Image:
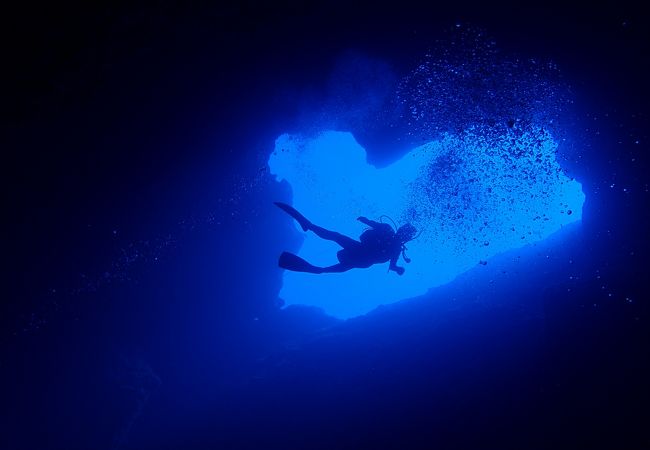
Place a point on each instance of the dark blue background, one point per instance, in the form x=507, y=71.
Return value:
x=121, y=121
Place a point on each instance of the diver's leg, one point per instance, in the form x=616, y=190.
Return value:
x=293, y=212
x=321, y=232
x=342, y=240
x=336, y=268
x=295, y=263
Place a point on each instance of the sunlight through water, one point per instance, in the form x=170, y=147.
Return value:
x=472, y=195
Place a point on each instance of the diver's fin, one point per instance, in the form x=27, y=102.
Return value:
x=295, y=263
x=302, y=220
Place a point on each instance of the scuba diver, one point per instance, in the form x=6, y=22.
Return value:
x=378, y=244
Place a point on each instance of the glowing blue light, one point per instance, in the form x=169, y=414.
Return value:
x=473, y=195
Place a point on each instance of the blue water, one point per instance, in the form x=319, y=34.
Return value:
x=149, y=311
x=471, y=197
x=475, y=167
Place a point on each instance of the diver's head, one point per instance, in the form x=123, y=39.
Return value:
x=406, y=233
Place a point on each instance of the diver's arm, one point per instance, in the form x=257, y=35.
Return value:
x=370, y=223
x=394, y=267
x=406, y=258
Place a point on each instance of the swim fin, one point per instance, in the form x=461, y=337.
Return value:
x=302, y=220
x=289, y=261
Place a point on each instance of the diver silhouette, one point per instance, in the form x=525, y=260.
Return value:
x=379, y=244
